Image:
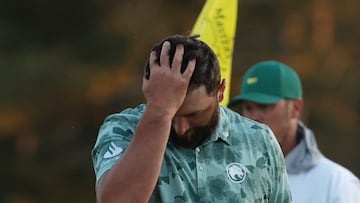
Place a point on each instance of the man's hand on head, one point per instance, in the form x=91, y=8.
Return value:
x=166, y=88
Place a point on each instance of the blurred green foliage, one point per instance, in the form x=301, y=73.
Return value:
x=65, y=65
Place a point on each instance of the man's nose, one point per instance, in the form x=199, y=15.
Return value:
x=180, y=124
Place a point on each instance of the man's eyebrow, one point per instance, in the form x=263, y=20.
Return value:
x=193, y=113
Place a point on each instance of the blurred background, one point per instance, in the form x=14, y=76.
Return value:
x=65, y=65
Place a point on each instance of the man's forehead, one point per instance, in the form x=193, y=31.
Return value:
x=195, y=101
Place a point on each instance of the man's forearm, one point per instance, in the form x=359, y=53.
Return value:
x=133, y=177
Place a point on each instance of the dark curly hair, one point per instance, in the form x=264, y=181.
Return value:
x=207, y=68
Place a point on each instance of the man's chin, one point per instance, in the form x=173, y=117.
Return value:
x=190, y=140
x=197, y=135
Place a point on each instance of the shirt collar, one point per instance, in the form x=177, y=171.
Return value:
x=306, y=153
x=222, y=131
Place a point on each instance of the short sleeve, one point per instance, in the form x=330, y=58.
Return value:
x=113, y=139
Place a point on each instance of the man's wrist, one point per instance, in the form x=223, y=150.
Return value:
x=157, y=111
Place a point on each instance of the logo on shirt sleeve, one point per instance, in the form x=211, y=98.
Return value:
x=236, y=172
x=112, y=151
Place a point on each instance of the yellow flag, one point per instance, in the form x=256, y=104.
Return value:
x=216, y=26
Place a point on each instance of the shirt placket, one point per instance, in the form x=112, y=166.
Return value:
x=200, y=169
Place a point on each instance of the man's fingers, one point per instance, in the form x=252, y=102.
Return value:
x=178, y=58
x=152, y=59
x=164, y=55
x=189, y=69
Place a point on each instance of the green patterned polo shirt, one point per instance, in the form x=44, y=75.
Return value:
x=240, y=162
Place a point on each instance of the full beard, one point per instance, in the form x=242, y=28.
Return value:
x=196, y=135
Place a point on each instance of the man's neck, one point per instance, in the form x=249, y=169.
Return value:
x=291, y=140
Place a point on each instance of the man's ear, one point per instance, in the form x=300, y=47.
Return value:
x=220, y=93
x=298, y=106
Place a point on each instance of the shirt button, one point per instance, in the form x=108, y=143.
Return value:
x=197, y=149
x=201, y=168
